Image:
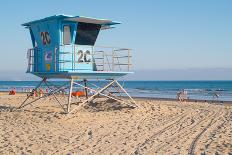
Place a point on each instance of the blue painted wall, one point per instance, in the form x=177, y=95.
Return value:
x=47, y=37
x=50, y=53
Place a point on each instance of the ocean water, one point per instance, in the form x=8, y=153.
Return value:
x=203, y=90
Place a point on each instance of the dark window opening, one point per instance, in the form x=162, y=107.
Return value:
x=87, y=33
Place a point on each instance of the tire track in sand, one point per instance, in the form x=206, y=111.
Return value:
x=186, y=131
x=195, y=140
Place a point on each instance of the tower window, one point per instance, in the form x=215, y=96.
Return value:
x=67, y=35
x=87, y=33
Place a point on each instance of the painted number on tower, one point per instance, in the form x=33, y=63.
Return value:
x=84, y=56
x=46, y=39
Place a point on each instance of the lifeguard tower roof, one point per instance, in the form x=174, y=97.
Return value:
x=64, y=47
x=105, y=23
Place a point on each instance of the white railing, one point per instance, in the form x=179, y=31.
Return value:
x=112, y=59
x=30, y=57
x=102, y=58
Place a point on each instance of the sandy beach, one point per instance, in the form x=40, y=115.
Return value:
x=157, y=127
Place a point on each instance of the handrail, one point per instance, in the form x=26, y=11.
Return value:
x=102, y=57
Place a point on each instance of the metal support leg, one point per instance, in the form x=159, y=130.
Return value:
x=46, y=95
x=92, y=97
x=126, y=93
x=101, y=91
x=54, y=96
x=70, y=95
x=111, y=97
x=31, y=93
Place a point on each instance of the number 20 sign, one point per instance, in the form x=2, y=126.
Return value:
x=84, y=56
x=46, y=39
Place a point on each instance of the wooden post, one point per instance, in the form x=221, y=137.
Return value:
x=86, y=91
x=70, y=95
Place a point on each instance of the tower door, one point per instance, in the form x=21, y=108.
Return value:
x=66, y=51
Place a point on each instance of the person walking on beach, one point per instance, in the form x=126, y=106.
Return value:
x=179, y=96
x=185, y=95
x=182, y=95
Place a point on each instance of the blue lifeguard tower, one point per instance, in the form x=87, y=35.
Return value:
x=64, y=47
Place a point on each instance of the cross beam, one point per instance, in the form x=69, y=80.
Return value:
x=69, y=85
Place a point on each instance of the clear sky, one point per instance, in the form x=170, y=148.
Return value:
x=164, y=34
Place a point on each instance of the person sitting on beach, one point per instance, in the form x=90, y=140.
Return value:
x=32, y=93
x=35, y=94
x=41, y=93
x=12, y=92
